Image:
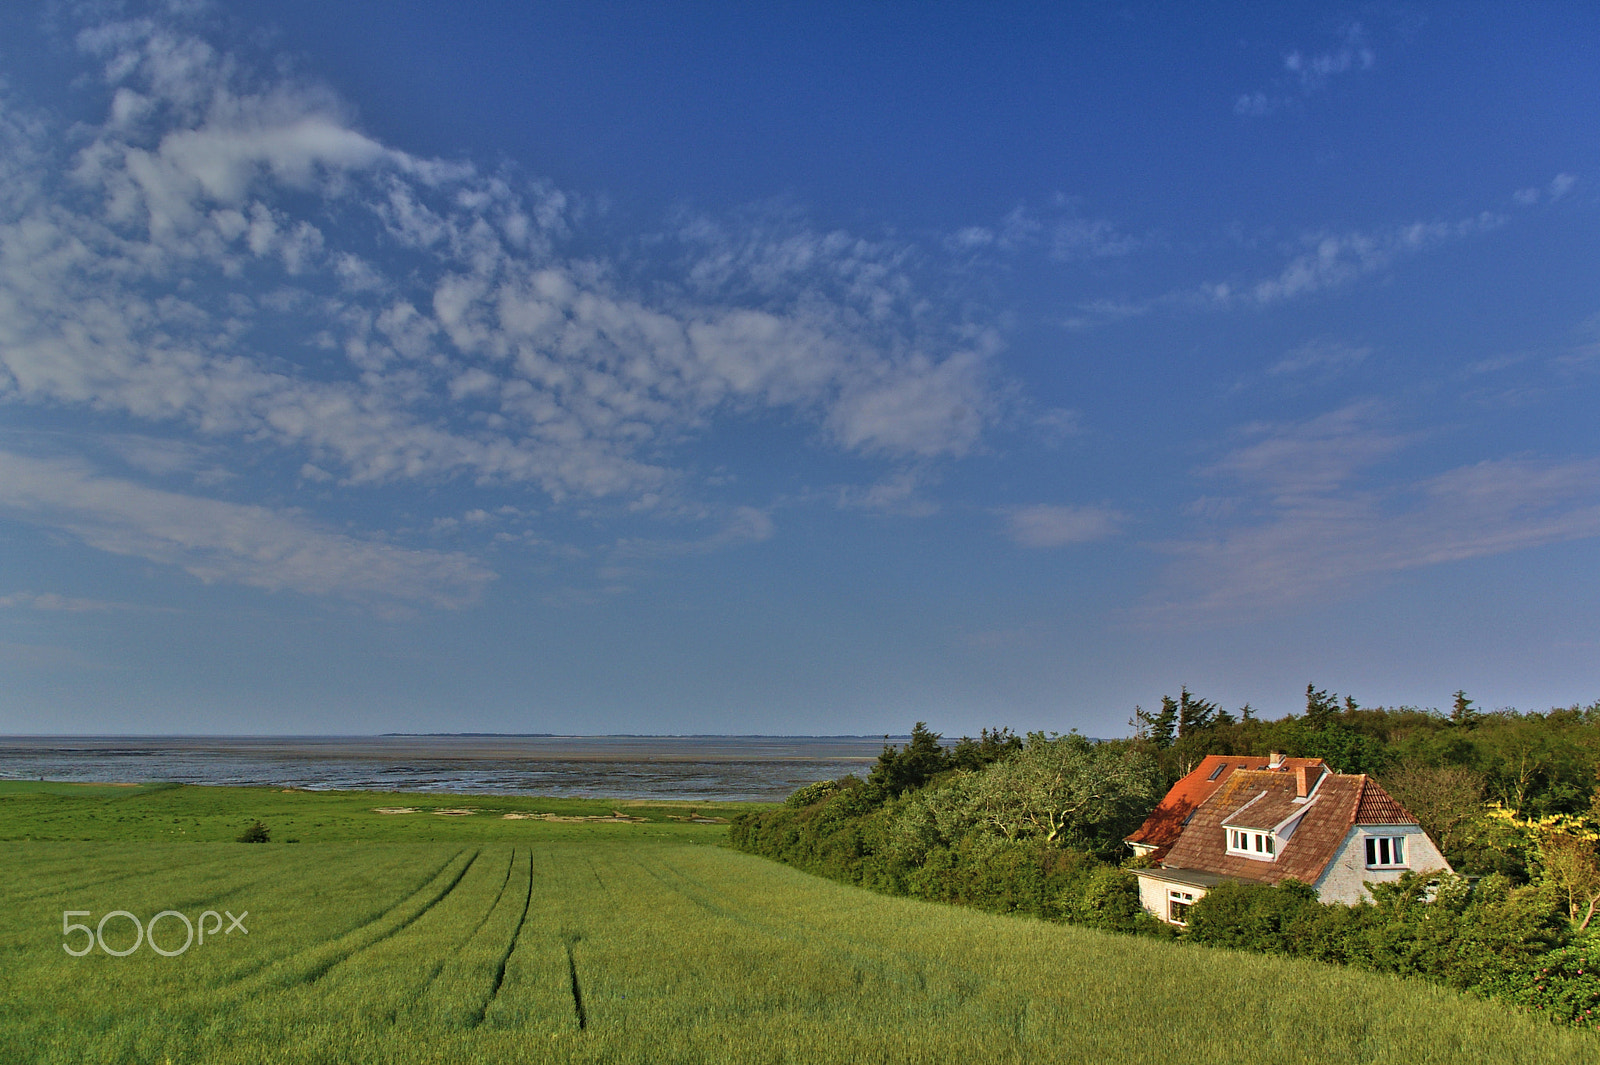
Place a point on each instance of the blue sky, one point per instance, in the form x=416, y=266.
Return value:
x=803, y=369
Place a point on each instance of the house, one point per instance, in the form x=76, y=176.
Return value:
x=1162, y=828
x=1291, y=818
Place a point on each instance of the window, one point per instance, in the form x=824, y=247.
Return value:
x=1217, y=772
x=1178, y=903
x=1386, y=852
x=1252, y=844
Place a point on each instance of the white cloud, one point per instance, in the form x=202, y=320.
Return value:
x=1313, y=71
x=740, y=526
x=899, y=495
x=230, y=542
x=1314, y=456
x=1303, y=74
x=1322, y=356
x=1044, y=525
x=1557, y=189
x=1064, y=235
x=51, y=601
x=1330, y=260
x=465, y=343
x=1316, y=528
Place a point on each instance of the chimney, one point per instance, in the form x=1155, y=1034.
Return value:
x=1303, y=781
x=1275, y=760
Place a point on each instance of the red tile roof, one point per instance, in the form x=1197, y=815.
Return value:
x=1339, y=802
x=1165, y=824
x=1378, y=807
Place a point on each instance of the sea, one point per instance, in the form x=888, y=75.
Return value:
x=692, y=768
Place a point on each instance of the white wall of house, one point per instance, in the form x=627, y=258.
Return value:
x=1154, y=895
x=1345, y=878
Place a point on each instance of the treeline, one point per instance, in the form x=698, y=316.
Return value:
x=1035, y=825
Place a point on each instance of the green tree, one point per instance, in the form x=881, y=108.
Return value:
x=1068, y=791
x=911, y=766
x=1194, y=714
x=1320, y=707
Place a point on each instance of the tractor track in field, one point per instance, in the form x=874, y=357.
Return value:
x=470, y=936
x=572, y=975
x=505, y=959
x=246, y=972
x=322, y=970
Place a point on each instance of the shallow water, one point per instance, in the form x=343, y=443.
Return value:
x=698, y=768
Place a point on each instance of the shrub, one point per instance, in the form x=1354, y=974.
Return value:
x=1566, y=986
x=256, y=833
x=812, y=793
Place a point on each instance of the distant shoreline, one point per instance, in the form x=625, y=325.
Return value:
x=693, y=768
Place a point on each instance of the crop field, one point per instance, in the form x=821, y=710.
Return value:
x=525, y=939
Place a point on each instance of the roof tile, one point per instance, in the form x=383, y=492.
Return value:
x=1166, y=823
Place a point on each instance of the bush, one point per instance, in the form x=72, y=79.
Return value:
x=256, y=833
x=812, y=793
x=1566, y=986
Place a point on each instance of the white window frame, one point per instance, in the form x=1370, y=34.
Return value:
x=1258, y=844
x=1386, y=851
x=1177, y=898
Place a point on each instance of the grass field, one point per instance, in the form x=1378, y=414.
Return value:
x=473, y=938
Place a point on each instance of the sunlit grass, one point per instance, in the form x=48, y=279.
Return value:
x=479, y=950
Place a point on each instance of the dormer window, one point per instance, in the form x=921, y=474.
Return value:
x=1249, y=843
x=1386, y=852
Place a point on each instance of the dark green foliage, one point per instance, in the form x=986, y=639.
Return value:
x=1193, y=713
x=1565, y=985
x=256, y=833
x=911, y=766
x=1320, y=707
x=990, y=746
x=1013, y=837
x=1485, y=938
x=1534, y=763
x=812, y=793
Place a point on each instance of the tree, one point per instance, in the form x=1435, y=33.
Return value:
x=899, y=770
x=1194, y=714
x=1444, y=798
x=1461, y=712
x=1320, y=707
x=1164, y=724
x=1572, y=866
x=1068, y=791
x=990, y=746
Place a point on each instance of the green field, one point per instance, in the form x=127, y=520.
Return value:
x=425, y=937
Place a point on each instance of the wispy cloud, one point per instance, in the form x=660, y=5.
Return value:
x=1045, y=525
x=1322, y=358
x=66, y=604
x=740, y=525
x=1557, y=189
x=1312, y=525
x=231, y=542
x=438, y=329
x=901, y=495
x=1330, y=260
x=1303, y=74
x=1316, y=261
x=1062, y=234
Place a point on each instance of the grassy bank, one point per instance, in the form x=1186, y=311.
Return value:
x=627, y=941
